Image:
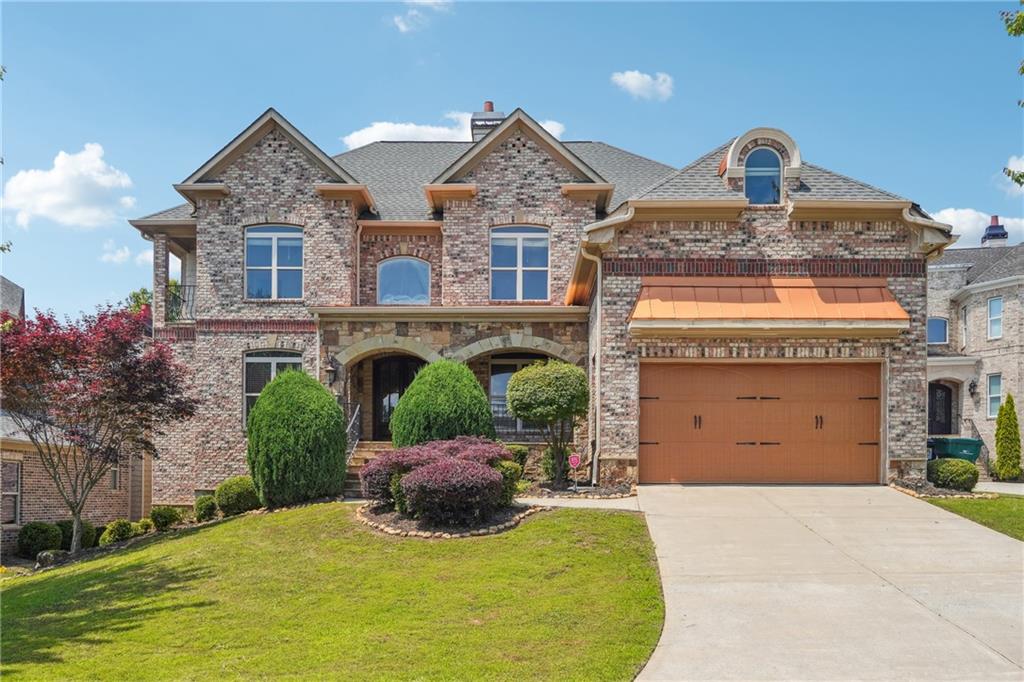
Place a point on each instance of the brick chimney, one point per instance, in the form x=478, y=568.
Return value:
x=485, y=121
x=995, y=234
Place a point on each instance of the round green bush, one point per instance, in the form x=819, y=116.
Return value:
x=143, y=526
x=36, y=537
x=67, y=528
x=164, y=517
x=955, y=474
x=236, y=495
x=510, y=472
x=205, y=508
x=296, y=441
x=444, y=401
x=117, y=531
x=520, y=454
x=99, y=534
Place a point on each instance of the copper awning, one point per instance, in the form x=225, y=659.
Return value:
x=767, y=306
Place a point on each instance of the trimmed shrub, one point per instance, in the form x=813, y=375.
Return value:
x=100, y=530
x=1007, y=465
x=205, y=508
x=397, y=495
x=67, y=529
x=236, y=495
x=520, y=454
x=297, y=441
x=117, y=531
x=164, y=517
x=36, y=537
x=375, y=477
x=453, y=491
x=510, y=472
x=143, y=526
x=955, y=474
x=444, y=401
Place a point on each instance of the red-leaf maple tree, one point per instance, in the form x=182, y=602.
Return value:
x=89, y=395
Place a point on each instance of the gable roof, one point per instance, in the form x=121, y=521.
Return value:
x=986, y=263
x=521, y=120
x=255, y=131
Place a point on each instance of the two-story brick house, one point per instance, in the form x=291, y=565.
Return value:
x=975, y=336
x=750, y=317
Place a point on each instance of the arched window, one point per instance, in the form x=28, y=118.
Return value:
x=273, y=262
x=519, y=263
x=403, y=281
x=762, y=181
x=263, y=365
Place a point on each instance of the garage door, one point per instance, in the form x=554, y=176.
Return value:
x=759, y=423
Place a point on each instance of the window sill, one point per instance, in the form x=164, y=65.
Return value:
x=11, y=526
x=272, y=300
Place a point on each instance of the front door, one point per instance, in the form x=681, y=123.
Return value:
x=940, y=409
x=391, y=376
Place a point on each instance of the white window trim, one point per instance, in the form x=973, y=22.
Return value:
x=274, y=268
x=17, y=497
x=945, y=339
x=781, y=171
x=274, y=361
x=988, y=313
x=989, y=396
x=519, y=268
x=394, y=258
x=963, y=327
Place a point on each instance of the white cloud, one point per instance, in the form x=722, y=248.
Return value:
x=643, y=85
x=416, y=15
x=457, y=131
x=81, y=190
x=115, y=254
x=1014, y=163
x=144, y=257
x=970, y=225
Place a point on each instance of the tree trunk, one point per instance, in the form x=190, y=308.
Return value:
x=76, y=533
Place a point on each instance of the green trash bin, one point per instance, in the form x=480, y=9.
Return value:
x=957, y=448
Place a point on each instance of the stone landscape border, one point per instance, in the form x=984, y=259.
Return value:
x=944, y=495
x=438, y=535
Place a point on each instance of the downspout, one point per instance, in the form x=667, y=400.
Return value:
x=597, y=365
x=359, y=260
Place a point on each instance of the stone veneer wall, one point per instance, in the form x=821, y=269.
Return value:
x=375, y=248
x=762, y=242
x=518, y=183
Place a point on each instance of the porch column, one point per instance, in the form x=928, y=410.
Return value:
x=160, y=265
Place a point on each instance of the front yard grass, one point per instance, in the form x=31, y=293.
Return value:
x=311, y=593
x=1004, y=513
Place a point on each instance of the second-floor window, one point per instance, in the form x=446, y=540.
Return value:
x=963, y=327
x=403, y=281
x=938, y=330
x=519, y=263
x=995, y=318
x=273, y=262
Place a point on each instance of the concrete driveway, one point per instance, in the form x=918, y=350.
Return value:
x=831, y=583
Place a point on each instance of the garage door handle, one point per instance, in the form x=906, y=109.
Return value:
x=868, y=442
x=770, y=442
x=746, y=442
x=746, y=397
x=650, y=442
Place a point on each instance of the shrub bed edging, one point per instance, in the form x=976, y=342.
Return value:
x=438, y=535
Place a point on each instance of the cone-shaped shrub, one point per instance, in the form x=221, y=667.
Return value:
x=1007, y=441
x=444, y=401
x=296, y=441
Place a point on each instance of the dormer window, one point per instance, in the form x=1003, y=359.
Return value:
x=762, y=181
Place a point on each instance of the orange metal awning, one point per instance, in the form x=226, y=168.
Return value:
x=766, y=306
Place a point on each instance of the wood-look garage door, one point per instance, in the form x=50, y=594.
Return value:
x=760, y=423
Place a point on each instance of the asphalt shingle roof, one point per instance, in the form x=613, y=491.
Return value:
x=180, y=212
x=987, y=263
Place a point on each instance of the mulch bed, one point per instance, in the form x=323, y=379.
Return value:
x=919, y=487
x=391, y=522
x=613, y=492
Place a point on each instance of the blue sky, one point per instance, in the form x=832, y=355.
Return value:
x=918, y=99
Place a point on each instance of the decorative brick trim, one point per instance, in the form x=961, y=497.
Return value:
x=266, y=326
x=745, y=267
x=175, y=333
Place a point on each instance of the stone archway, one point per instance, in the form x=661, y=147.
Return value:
x=514, y=342
x=383, y=344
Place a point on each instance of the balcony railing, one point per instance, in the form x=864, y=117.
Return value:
x=181, y=301
x=509, y=428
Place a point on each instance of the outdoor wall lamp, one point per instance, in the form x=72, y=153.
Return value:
x=972, y=388
x=332, y=369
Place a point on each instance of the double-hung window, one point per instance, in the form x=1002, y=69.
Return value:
x=995, y=394
x=519, y=263
x=273, y=262
x=938, y=330
x=995, y=317
x=963, y=327
x=10, y=479
x=262, y=366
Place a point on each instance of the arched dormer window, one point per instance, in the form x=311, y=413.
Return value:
x=519, y=263
x=273, y=262
x=762, y=178
x=403, y=280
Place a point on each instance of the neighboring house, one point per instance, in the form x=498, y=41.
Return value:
x=12, y=298
x=975, y=335
x=749, y=318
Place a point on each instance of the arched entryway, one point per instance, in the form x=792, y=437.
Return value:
x=392, y=375
x=943, y=408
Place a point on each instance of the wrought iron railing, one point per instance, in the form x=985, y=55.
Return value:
x=181, y=302
x=972, y=429
x=354, y=428
x=509, y=428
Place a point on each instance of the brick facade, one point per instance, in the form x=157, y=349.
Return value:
x=377, y=247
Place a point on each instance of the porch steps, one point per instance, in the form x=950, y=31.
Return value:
x=365, y=451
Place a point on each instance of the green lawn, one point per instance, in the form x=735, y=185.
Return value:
x=1004, y=513
x=311, y=593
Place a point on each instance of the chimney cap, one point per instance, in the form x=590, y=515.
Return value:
x=488, y=105
x=994, y=220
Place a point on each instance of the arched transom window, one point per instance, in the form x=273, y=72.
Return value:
x=403, y=281
x=519, y=263
x=763, y=176
x=273, y=262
